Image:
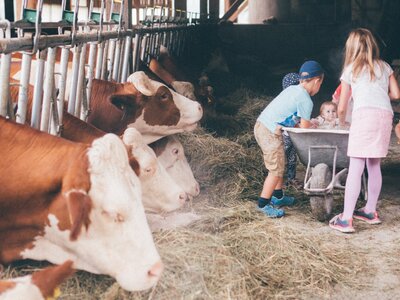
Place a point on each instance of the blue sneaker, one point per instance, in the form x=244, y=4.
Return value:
x=345, y=226
x=284, y=201
x=271, y=211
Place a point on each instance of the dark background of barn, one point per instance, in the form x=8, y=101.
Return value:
x=264, y=53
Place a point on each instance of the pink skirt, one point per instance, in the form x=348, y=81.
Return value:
x=370, y=132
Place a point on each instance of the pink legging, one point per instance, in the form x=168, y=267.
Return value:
x=353, y=184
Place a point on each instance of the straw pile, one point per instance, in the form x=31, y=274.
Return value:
x=234, y=252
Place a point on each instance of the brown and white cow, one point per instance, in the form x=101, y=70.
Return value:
x=160, y=193
x=170, y=153
x=62, y=200
x=147, y=105
x=194, y=88
x=40, y=285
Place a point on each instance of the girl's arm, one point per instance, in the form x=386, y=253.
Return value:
x=394, y=90
x=343, y=103
x=397, y=131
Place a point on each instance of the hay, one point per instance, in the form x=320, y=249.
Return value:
x=246, y=256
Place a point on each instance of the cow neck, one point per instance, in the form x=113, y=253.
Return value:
x=34, y=166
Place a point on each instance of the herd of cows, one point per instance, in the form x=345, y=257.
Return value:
x=80, y=200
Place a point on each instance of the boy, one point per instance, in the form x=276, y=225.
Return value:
x=291, y=107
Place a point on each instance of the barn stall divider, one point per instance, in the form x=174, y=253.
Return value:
x=102, y=47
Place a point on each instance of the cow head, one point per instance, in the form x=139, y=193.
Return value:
x=117, y=242
x=40, y=285
x=142, y=103
x=190, y=112
x=170, y=153
x=160, y=192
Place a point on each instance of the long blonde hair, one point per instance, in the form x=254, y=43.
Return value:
x=362, y=50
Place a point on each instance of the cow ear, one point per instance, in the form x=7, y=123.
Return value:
x=48, y=279
x=142, y=83
x=79, y=205
x=131, y=139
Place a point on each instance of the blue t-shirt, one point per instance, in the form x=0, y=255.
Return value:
x=287, y=108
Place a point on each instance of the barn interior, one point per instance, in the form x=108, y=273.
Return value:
x=242, y=49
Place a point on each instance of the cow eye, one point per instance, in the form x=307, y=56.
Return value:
x=175, y=151
x=121, y=106
x=113, y=216
x=164, y=97
x=148, y=170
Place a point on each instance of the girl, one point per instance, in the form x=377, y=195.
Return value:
x=372, y=85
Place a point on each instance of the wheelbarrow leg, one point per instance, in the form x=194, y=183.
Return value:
x=321, y=205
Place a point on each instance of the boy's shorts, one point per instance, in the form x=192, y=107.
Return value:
x=272, y=147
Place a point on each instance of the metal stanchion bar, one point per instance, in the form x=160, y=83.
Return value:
x=48, y=89
x=81, y=81
x=38, y=90
x=74, y=82
x=125, y=61
x=23, y=88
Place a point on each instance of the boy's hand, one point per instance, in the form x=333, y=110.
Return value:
x=305, y=123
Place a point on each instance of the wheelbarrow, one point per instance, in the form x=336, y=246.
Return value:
x=324, y=152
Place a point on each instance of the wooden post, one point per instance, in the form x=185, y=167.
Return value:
x=214, y=8
x=180, y=4
x=203, y=9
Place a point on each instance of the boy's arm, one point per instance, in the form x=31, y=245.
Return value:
x=343, y=103
x=304, y=123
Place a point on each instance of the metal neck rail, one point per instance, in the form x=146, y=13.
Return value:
x=25, y=43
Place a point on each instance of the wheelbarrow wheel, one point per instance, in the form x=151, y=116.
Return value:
x=321, y=206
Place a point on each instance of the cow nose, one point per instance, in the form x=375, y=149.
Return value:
x=156, y=269
x=183, y=197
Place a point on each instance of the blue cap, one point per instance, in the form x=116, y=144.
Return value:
x=290, y=79
x=312, y=68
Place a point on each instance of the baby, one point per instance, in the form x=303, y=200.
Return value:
x=328, y=118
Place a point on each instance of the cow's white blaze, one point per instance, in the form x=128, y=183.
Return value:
x=154, y=132
x=24, y=289
x=190, y=111
x=184, y=88
x=118, y=241
x=160, y=192
x=174, y=160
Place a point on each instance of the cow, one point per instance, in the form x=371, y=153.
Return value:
x=194, y=88
x=149, y=106
x=160, y=192
x=63, y=200
x=170, y=153
x=40, y=285
x=143, y=103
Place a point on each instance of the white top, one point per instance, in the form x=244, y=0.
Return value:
x=367, y=93
x=320, y=122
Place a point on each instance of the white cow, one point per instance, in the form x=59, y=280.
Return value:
x=170, y=153
x=160, y=192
